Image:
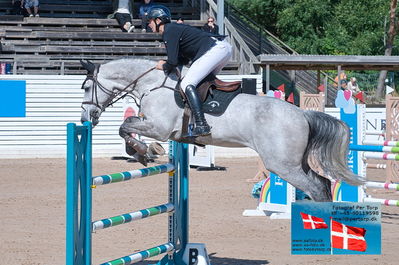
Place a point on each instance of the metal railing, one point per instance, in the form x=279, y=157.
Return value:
x=242, y=53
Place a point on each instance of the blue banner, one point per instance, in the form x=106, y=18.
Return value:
x=13, y=95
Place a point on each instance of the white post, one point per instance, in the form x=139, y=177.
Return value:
x=220, y=16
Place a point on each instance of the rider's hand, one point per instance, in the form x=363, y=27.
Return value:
x=160, y=64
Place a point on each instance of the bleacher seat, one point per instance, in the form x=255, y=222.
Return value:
x=70, y=30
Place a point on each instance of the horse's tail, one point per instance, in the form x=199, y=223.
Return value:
x=328, y=146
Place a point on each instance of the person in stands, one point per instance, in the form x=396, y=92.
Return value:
x=123, y=16
x=143, y=12
x=28, y=4
x=353, y=86
x=209, y=53
x=342, y=78
x=17, y=7
x=210, y=26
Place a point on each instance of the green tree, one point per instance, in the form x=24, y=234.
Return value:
x=324, y=26
x=263, y=12
x=302, y=24
x=392, y=31
x=357, y=27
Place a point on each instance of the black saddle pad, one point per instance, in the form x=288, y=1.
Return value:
x=216, y=102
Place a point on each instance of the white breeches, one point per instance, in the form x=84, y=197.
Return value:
x=211, y=62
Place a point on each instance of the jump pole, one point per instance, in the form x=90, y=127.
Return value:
x=79, y=225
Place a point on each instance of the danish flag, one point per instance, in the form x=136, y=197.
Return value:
x=347, y=237
x=313, y=222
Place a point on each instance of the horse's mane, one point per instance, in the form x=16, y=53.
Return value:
x=131, y=66
x=120, y=68
x=131, y=60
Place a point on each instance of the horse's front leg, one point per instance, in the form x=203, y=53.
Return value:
x=134, y=147
x=132, y=142
x=137, y=125
x=153, y=128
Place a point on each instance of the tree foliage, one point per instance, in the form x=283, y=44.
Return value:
x=324, y=26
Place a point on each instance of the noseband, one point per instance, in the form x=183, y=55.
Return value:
x=114, y=96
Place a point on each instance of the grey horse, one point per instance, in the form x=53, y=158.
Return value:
x=285, y=137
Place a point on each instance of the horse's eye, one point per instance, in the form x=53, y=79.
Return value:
x=87, y=85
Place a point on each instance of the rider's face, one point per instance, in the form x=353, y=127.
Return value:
x=152, y=25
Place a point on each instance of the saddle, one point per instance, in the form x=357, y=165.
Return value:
x=215, y=95
x=212, y=82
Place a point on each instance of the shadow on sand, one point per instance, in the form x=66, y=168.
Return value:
x=234, y=261
x=214, y=260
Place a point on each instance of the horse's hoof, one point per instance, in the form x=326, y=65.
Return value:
x=141, y=158
x=156, y=149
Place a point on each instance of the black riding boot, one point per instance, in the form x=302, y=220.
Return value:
x=201, y=126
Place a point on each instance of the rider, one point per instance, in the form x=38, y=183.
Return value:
x=207, y=52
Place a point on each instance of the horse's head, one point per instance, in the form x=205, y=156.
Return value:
x=92, y=102
x=107, y=83
x=99, y=93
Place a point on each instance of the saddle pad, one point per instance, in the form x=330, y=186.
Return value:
x=215, y=103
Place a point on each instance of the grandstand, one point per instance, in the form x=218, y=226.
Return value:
x=70, y=30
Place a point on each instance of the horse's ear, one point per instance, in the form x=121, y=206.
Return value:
x=89, y=66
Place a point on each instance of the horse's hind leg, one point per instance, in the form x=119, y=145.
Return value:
x=314, y=185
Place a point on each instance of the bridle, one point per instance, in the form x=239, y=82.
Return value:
x=114, y=96
x=120, y=93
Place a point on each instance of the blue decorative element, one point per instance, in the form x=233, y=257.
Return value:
x=256, y=189
x=13, y=93
x=351, y=107
x=270, y=93
x=278, y=190
x=347, y=105
x=340, y=101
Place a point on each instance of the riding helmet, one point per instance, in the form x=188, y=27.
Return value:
x=161, y=12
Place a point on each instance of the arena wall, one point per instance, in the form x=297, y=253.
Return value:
x=54, y=100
